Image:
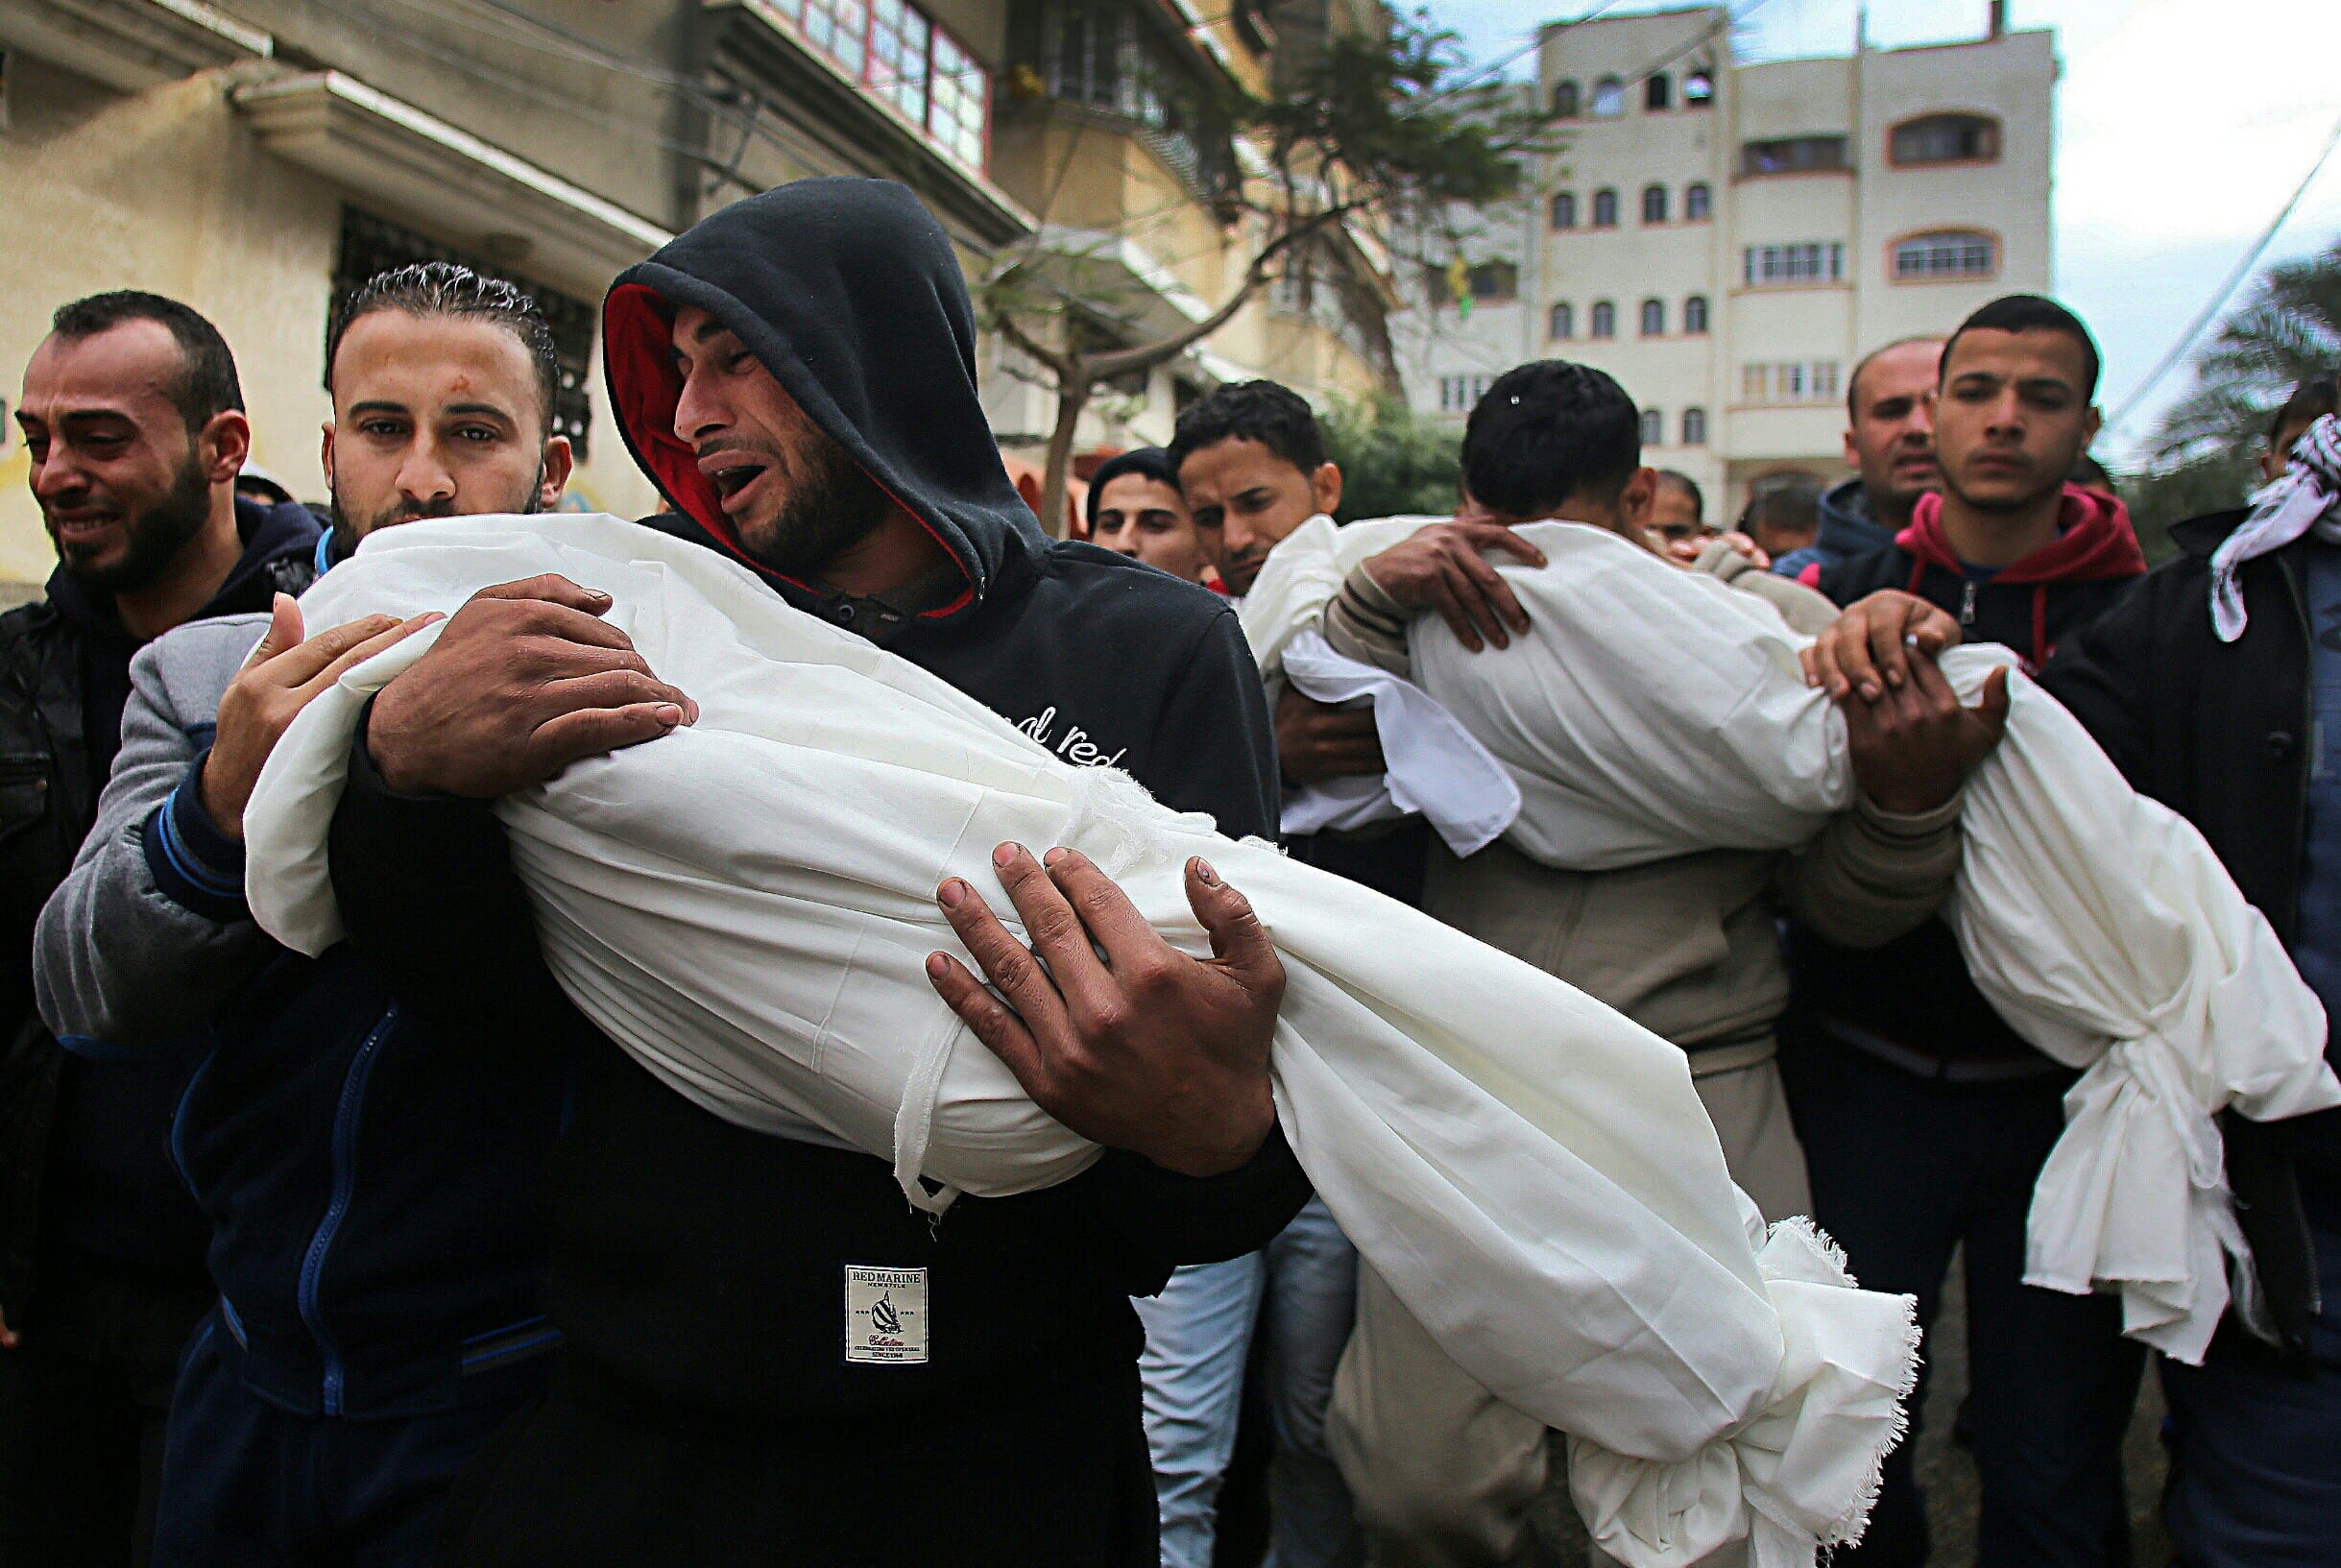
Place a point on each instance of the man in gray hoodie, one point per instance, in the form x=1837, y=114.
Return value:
x=376, y=1238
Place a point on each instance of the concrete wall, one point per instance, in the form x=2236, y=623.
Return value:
x=168, y=190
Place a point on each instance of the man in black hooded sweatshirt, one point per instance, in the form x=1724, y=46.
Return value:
x=797, y=374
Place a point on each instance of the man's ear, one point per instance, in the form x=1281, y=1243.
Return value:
x=324, y=452
x=1638, y=500
x=1325, y=488
x=2090, y=423
x=554, y=474
x=222, y=444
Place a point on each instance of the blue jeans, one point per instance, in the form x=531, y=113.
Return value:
x=1904, y=1170
x=1198, y=1337
x=2255, y=1449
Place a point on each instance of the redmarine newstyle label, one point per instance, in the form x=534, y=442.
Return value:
x=885, y=1315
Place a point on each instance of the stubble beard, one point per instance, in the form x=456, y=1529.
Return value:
x=156, y=536
x=832, y=506
x=349, y=533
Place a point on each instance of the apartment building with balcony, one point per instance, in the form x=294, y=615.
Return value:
x=254, y=158
x=1728, y=239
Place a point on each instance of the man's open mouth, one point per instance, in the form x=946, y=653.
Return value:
x=731, y=481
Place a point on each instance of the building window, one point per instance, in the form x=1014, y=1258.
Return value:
x=960, y=102
x=1654, y=318
x=1106, y=58
x=1564, y=209
x=1458, y=394
x=1658, y=93
x=1495, y=282
x=900, y=41
x=1944, y=139
x=1945, y=252
x=1695, y=314
x=1778, y=264
x=1792, y=381
x=1604, y=319
x=371, y=245
x=1694, y=428
x=898, y=53
x=1697, y=203
x=1654, y=203
x=1564, y=100
x=1562, y=324
x=1697, y=91
x=1605, y=209
x=1794, y=154
x=1654, y=427
x=1608, y=98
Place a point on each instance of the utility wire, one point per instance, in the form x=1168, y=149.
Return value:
x=2218, y=299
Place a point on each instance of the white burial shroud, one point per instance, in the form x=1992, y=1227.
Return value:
x=746, y=906
x=1653, y=711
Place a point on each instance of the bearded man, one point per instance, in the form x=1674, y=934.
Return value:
x=798, y=374
x=134, y=418
x=374, y=1199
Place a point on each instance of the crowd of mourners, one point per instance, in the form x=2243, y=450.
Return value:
x=389, y=1257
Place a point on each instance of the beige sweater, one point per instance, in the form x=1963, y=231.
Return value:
x=1688, y=947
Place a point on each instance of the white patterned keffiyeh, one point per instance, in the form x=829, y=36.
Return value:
x=2304, y=498
x=746, y=906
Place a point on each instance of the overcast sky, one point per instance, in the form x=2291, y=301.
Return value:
x=2182, y=125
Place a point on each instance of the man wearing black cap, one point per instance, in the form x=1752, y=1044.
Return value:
x=797, y=374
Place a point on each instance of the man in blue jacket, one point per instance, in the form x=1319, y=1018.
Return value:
x=372, y=1191
x=133, y=422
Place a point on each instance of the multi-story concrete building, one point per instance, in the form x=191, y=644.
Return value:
x=1728, y=239
x=253, y=157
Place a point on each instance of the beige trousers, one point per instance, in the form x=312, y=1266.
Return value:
x=1442, y=1471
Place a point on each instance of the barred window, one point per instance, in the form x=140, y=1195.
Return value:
x=1694, y=428
x=1948, y=252
x=1604, y=319
x=1697, y=203
x=1776, y=264
x=1695, y=314
x=1654, y=203
x=1605, y=209
x=1654, y=427
x=1654, y=318
x=1561, y=324
x=1564, y=209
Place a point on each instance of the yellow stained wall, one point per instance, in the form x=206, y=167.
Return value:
x=166, y=190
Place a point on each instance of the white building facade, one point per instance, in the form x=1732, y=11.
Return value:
x=1728, y=240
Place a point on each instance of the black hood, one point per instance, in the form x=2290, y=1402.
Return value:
x=850, y=292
